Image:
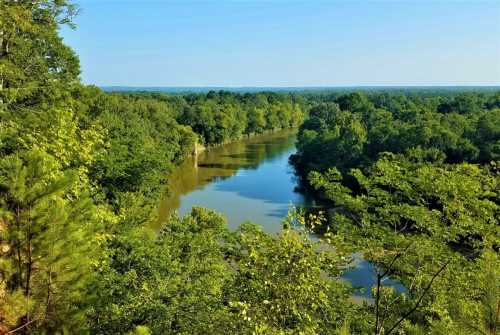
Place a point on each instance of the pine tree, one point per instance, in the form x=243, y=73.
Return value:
x=46, y=245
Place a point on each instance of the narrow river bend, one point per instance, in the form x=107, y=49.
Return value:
x=249, y=180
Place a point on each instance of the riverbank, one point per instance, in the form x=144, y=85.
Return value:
x=199, y=148
x=248, y=174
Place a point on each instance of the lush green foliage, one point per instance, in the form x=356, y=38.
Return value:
x=80, y=175
x=46, y=243
x=352, y=130
x=81, y=172
x=413, y=183
x=195, y=277
x=220, y=117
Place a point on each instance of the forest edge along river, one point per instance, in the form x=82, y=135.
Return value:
x=246, y=180
x=250, y=180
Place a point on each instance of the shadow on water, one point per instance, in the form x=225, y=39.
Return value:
x=279, y=212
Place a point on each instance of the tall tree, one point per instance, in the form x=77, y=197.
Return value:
x=46, y=245
x=34, y=62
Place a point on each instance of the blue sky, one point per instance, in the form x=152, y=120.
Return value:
x=287, y=43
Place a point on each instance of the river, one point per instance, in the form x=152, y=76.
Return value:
x=249, y=180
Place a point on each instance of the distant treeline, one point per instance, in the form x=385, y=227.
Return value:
x=351, y=130
x=222, y=116
x=436, y=90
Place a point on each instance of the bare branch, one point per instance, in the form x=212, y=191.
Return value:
x=21, y=327
x=407, y=314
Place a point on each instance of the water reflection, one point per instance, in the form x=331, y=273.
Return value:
x=245, y=180
x=362, y=275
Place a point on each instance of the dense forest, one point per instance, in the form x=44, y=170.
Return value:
x=411, y=179
x=414, y=182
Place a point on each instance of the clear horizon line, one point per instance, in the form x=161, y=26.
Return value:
x=298, y=86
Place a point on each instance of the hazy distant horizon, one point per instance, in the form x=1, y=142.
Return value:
x=253, y=89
